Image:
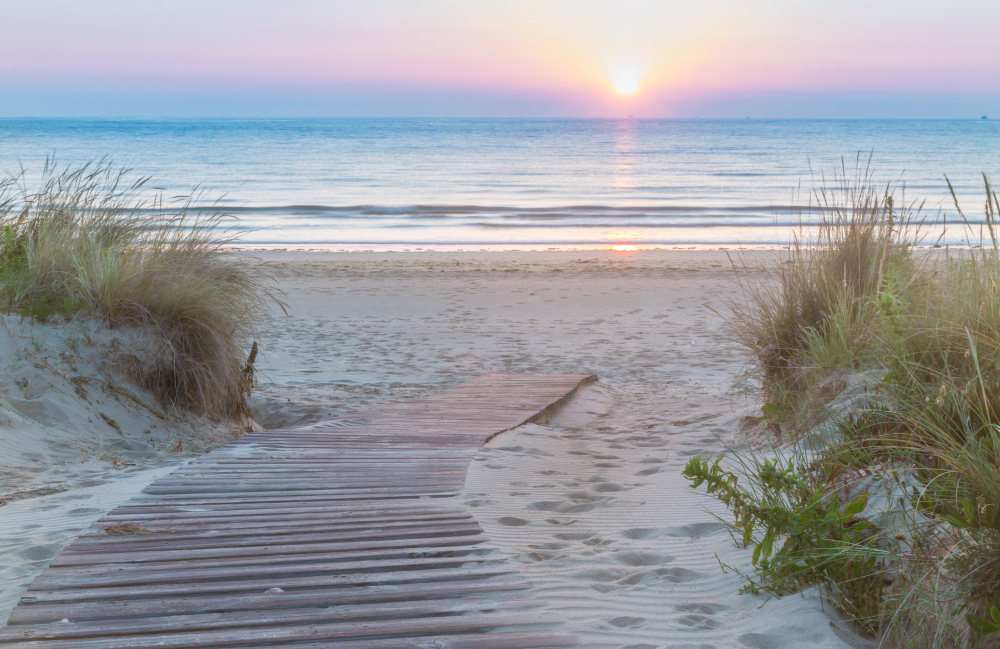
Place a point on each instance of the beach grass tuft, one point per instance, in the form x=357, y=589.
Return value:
x=814, y=306
x=99, y=241
x=856, y=293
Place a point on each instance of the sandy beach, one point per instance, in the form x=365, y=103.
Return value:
x=673, y=318
x=591, y=505
x=372, y=327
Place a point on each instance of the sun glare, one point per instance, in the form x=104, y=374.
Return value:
x=624, y=247
x=626, y=79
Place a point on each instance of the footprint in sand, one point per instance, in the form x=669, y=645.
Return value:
x=626, y=621
x=648, y=471
x=672, y=575
x=573, y=536
x=642, y=533
x=636, y=559
x=527, y=451
x=694, y=530
x=536, y=557
x=699, y=622
x=561, y=506
x=759, y=641
x=704, y=609
x=679, y=575
x=511, y=521
x=602, y=575
x=40, y=552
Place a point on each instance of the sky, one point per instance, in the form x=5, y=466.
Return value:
x=509, y=58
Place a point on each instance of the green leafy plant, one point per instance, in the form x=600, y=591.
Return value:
x=770, y=410
x=38, y=308
x=984, y=626
x=802, y=535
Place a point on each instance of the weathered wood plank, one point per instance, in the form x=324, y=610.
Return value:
x=289, y=633
x=191, y=571
x=273, y=617
x=153, y=541
x=29, y=611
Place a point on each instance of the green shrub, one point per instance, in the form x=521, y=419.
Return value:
x=802, y=535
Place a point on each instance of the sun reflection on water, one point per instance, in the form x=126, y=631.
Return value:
x=625, y=163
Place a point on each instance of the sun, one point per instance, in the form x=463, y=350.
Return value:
x=626, y=79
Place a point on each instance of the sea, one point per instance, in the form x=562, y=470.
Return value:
x=500, y=184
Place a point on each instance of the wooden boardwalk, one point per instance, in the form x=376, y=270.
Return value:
x=345, y=536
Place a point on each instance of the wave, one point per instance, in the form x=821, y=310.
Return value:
x=473, y=225
x=391, y=210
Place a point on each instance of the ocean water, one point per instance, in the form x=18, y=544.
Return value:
x=518, y=183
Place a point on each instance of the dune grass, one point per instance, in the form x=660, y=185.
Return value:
x=855, y=292
x=815, y=305
x=99, y=241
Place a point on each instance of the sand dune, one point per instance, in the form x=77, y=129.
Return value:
x=76, y=440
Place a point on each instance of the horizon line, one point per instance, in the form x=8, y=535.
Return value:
x=482, y=117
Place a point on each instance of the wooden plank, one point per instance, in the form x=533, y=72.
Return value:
x=506, y=640
x=291, y=633
x=256, y=553
x=194, y=571
x=277, y=616
x=334, y=536
x=30, y=611
x=203, y=541
x=152, y=529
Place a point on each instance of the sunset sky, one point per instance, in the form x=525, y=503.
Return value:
x=709, y=58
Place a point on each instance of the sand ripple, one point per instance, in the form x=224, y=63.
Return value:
x=594, y=511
